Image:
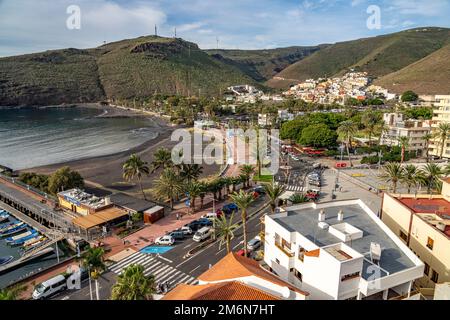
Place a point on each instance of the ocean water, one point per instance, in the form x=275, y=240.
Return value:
x=35, y=137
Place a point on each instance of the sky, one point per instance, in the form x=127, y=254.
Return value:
x=37, y=25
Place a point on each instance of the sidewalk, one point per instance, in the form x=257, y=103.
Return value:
x=146, y=236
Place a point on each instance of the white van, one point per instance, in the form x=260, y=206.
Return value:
x=50, y=287
x=202, y=234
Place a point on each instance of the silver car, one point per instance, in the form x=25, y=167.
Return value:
x=254, y=244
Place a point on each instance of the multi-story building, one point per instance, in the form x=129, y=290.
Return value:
x=415, y=130
x=339, y=250
x=441, y=113
x=237, y=278
x=423, y=224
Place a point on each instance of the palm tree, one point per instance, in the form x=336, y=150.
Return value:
x=431, y=175
x=133, y=284
x=243, y=201
x=404, y=144
x=224, y=229
x=203, y=192
x=247, y=171
x=12, y=293
x=370, y=121
x=235, y=182
x=298, y=198
x=411, y=177
x=443, y=131
x=392, y=173
x=190, y=171
x=347, y=130
x=134, y=167
x=194, y=190
x=168, y=186
x=161, y=159
x=93, y=262
x=427, y=137
x=274, y=192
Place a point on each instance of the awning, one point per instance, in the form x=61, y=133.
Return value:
x=100, y=218
x=154, y=209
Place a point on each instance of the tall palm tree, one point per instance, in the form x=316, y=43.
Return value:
x=443, y=131
x=224, y=229
x=133, y=284
x=370, y=121
x=403, y=142
x=134, y=167
x=347, y=130
x=392, y=173
x=411, y=177
x=93, y=262
x=161, y=159
x=243, y=201
x=12, y=293
x=168, y=186
x=190, y=172
x=431, y=175
x=274, y=192
x=427, y=137
x=194, y=189
x=203, y=192
x=235, y=182
x=247, y=171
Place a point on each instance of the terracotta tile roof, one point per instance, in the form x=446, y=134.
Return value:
x=437, y=205
x=234, y=266
x=232, y=290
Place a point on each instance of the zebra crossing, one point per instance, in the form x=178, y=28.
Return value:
x=294, y=188
x=154, y=266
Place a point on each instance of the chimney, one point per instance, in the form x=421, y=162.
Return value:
x=340, y=215
x=107, y=201
x=322, y=216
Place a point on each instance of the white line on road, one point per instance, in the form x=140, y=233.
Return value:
x=170, y=261
x=240, y=243
x=188, y=246
x=195, y=269
x=218, y=252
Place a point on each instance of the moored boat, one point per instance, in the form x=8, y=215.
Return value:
x=22, y=235
x=4, y=217
x=14, y=231
x=36, y=243
x=11, y=226
x=6, y=260
x=21, y=241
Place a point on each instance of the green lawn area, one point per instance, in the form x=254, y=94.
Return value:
x=263, y=178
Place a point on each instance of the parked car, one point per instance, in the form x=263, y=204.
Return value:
x=177, y=235
x=242, y=253
x=165, y=240
x=259, y=189
x=211, y=215
x=50, y=287
x=253, y=244
x=186, y=230
x=230, y=208
x=202, y=234
x=205, y=222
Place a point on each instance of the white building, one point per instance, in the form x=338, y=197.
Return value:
x=285, y=115
x=415, y=130
x=339, y=250
x=265, y=119
x=441, y=114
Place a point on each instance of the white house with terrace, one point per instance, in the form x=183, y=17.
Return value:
x=339, y=250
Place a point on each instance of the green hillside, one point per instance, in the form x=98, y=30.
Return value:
x=120, y=70
x=431, y=75
x=51, y=77
x=379, y=55
x=262, y=65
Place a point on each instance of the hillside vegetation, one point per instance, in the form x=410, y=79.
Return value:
x=262, y=65
x=431, y=75
x=378, y=56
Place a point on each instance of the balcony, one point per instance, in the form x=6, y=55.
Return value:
x=285, y=250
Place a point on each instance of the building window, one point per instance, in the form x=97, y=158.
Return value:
x=277, y=261
x=298, y=275
x=350, y=276
x=430, y=243
x=435, y=276
x=427, y=269
x=301, y=253
x=403, y=236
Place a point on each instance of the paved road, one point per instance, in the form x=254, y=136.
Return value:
x=173, y=266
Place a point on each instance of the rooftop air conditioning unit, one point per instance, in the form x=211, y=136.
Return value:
x=323, y=225
x=340, y=215
x=375, y=252
x=441, y=226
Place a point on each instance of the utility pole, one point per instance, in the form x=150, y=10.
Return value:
x=217, y=39
x=156, y=30
x=175, y=32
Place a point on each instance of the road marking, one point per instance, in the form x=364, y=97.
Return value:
x=240, y=243
x=165, y=259
x=218, y=252
x=188, y=246
x=194, y=269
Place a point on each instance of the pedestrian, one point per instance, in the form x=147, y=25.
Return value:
x=340, y=189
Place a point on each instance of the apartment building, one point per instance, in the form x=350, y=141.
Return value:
x=423, y=224
x=415, y=130
x=441, y=113
x=339, y=250
x=237, y=278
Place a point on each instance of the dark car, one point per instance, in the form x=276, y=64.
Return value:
x=177, y=235
x=230, y=208
x=205, y=222
x=260, y=190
